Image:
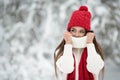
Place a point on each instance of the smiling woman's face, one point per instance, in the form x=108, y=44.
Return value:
x=77, y=31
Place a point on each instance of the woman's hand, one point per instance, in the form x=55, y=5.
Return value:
x=67, y=37
x=90, y=37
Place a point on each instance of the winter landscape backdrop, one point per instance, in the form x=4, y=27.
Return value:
x=30, y=30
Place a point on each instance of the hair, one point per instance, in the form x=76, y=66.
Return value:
x=60, y=50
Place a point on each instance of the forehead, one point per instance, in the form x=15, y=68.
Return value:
x=78, y=28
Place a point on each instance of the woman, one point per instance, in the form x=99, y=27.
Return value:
x=79, y=56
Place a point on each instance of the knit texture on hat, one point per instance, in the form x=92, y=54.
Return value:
x=80, y=18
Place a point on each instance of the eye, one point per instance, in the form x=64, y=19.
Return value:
x=72, y=30
x=82, y=31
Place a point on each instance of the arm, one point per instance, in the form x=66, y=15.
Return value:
x=66, y=62
x=94, y=60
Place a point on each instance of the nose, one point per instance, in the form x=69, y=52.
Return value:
x=76, y=34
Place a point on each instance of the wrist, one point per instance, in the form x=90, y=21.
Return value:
x=89, y=42
x=68, y=42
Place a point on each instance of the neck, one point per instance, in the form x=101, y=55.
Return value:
x=77, y=50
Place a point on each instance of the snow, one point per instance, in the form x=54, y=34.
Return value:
x=31, y=30
x=100, y=10
x=112, y=71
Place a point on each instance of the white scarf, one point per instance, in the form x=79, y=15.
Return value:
x=79, y=42
x=82, y=43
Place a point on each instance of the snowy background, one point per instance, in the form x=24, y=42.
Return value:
x=30, y=30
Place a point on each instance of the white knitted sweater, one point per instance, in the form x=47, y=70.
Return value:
x=65, y=63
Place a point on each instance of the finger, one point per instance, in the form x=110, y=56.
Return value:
x=90, y=31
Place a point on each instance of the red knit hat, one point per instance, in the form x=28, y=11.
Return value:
x=81, y=18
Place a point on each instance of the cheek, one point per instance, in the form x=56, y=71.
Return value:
x=73, y=34
x=83, y=34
